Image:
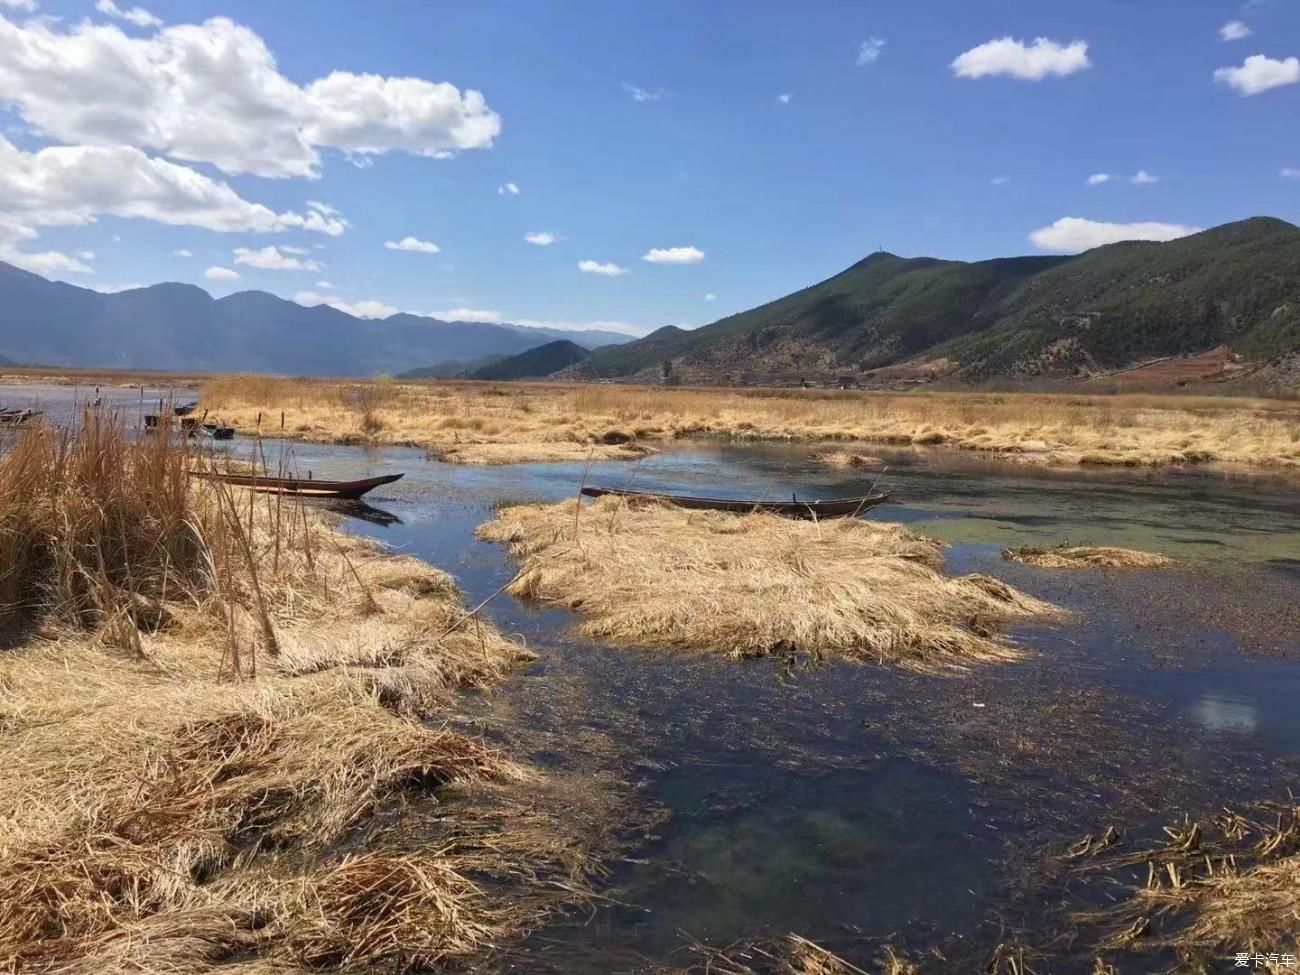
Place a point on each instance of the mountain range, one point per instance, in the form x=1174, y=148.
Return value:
x=1235, y=286
x=181, y=327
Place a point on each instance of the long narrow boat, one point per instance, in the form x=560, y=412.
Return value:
x=794, y=508
x=303, y=486
x=17, y=417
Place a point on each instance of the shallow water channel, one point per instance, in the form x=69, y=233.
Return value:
x=853, y=803
x=849, y=803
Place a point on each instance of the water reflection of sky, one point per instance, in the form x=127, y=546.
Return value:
x=1227, y=714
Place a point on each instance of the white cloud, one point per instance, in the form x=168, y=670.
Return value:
x=270, y=258
x=86, y=255
x=783, y=98
x=112, y=289
x=1290, y=172
x=327, y=285
x=643, y=94
x=1000, y=180
x=1096, y=179
x=507, y=189
x=710, y=296
x=211, y=92
x=370, y=308
x=610, y=270
x=221, y=274
x=1069, y=235
x=673, y=255
x=413, y=244
x=28, y=5
x=295, y=250
x=1143, y=178
x=1014, y=58
x=136, y=15
x=1234, y=30
x=467, y=315
x=74, y=185
x=182, y=253
x=627, y=328
x=1258, y=74
x=542, y=238
x=869, y=51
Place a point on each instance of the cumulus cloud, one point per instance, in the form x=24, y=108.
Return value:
x=784, y=98
x=221, y=274
x=1096, y=179
x=507, y=189
x=1143, y=178
x=182, y=253
x=1069, y=235
x=1013, y=58
x=643, y=94
x=610, y=270
x=74, y=185
x=673, y=255
x=1258, y=74
x=27, y=5
x=467, y=315
x=542, y=238
x=1234, y=30
x=327, y=285
x=270, y=258
x=413, y=244
x=869, y=51
x=211, y=92
x=370, y=308
x=1000, y=180
x=136, y=15
x=710, y=296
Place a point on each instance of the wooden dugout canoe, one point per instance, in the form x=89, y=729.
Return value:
x=306, y=487
x=794, y=508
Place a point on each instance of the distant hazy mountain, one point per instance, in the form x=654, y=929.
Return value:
x=179, y=326
x=1237, y=285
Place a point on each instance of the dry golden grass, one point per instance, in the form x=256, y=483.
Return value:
x=1210, y=894
x=646, y=573
x=847, y=458
x=499, y=423
x=213, y=696
x=791, y=955
x=1086, y=557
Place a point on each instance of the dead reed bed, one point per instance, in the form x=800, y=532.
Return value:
x=504, y=423
x=1214, y=890
x=206, y=698
x=641, y=572
x=1067, y=556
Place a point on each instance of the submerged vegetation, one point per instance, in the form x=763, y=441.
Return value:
x=642, y=572
x=206, y=698
x=486, y=423
x=1067, y=556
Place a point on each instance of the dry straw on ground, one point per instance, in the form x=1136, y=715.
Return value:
x=503, y=423
x=205, y=698
x=791, y=955
x=1212, y=891
x=1086, y=557
x=646, y=573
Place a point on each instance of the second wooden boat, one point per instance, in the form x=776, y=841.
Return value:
x=303, y=486
x=794, y=508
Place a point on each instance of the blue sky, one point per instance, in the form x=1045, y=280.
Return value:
x=625, y=127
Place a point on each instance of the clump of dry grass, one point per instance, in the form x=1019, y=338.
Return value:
x=1068, y=556
x=847, y=458
x=503, y=423
x=1211, y=892
x=200, y=793
x=646, y=573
